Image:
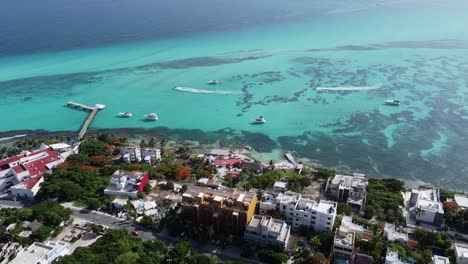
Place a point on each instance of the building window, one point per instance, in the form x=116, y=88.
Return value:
x=284, y=207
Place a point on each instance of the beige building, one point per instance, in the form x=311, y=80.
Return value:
x=229, y=210
x=343, y=244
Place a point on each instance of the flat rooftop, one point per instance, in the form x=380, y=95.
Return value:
x=36, y=252
x=344, y=237
x=440, y=260
x=226, y=193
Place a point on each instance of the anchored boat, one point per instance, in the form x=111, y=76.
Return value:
x=152, y=117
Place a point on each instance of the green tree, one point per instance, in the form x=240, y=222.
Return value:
x=316, y=258
x=344, y=208
x=127, y=258
x=41, y=234
x=272, y=257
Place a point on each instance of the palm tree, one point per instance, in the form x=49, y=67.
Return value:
x=142, y=148
x=152, y=143
x=162, y=145
x=419, y=212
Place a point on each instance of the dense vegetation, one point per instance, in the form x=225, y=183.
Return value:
x=455, y=217
x=49, y=213
x=384, y=200
x=75, y=184
x=118, y=246
x=267, y=179
x=429, y=242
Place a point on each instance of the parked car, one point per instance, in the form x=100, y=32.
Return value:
x=135, y=233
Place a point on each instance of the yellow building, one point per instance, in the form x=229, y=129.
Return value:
x=229, y=210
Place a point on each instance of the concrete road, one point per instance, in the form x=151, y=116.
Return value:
x=111, y=221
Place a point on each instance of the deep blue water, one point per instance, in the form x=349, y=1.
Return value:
x=34, y=26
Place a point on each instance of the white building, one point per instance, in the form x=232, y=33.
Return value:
x=136, y=155
x=127, y=183
x=425, y=206
x=461, y=201
x=267, y=231
x=343, y=243
x=440, y=260
x=268, y=202
x=461, y=253
x=392, y=235
x=24, y=173
x=281, y=186
x=360, y=230
x=349, y=189
x=300, y=211
x=392, y=258
x=41, y=253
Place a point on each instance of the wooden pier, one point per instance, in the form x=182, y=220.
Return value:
x=291, y=159
x=80, y=106
x=88, y=120
x=86, y=124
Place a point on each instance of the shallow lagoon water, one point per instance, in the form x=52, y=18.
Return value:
x=413, y=51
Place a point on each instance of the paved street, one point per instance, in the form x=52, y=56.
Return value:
x=115, y=222
x=231, y=253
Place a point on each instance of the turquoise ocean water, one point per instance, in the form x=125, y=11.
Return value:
x=414, y=51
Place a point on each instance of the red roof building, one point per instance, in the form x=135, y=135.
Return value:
x=226, y=162
x=24, y=172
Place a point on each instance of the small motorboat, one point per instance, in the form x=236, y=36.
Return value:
x=214, y=82
x=392, y=102
x=152, y=117
x=259, y=120
x=100, y=106
x=125, y=114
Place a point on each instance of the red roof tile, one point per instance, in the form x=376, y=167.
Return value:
x=19, y=169
x=30, y=183
x=229, y=162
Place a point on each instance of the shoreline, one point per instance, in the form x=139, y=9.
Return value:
x=134, y=135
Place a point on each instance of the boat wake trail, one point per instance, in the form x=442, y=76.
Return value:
x=349, y=88
x=201, y=91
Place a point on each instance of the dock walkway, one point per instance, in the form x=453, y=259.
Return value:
x=86, y=124
x=80, y=106
x=291, y=159
x=88, y=120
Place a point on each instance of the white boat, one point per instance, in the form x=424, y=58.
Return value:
x=392, y=102
x=152, y=116
x=100, y=106
x=259, y=120
x=214, y=82
x=125, y=114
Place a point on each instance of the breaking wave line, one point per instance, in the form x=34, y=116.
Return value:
x=201, y=91
x=349, y=88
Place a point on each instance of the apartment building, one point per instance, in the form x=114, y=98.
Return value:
x=267, y=231
x=299, y=211
x=425, y=206
x=229, y=210
x=343, y=244
x=349, y=189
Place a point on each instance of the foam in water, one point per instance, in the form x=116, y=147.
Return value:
x=202, y=91
x=349, y=88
